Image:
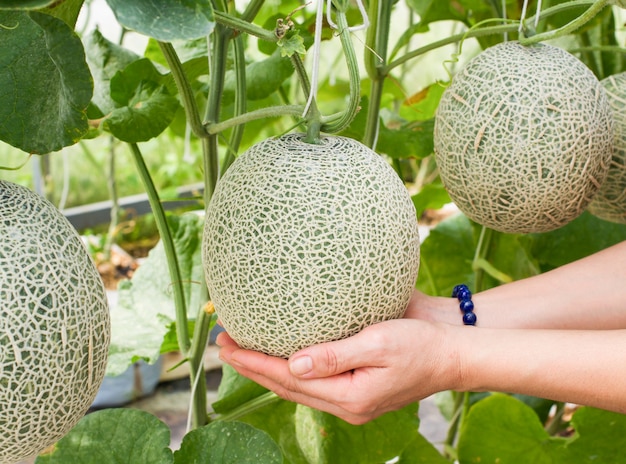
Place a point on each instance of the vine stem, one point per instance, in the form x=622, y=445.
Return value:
x=253, y=405
x=182, y=331
x=570, y=27
x=184, y=88
x=261, y=113
x=355, y=79
x=481, y=32
x=376, y=43
x=240, y=101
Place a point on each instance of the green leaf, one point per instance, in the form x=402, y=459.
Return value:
x=431, y=196
x=422, y=105
x=502, y=429
x=582, y=237
x=66, y=10
x=235, y=390
x=145, y=306
x=263, y=78
x=278, y=420
x=326, y=438
x=228, y=443
x=405, y=140
x=421, y=451
x=411, y=140
x=436, y=10
x=292, y=44
x=45, y=85
x=146, y=107
x=24, y=4
x=599, y=437
x=113, y=436
x=166, y=20
x=446, y=256
x=105, y=59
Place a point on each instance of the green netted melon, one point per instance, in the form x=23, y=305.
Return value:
x=523, y=137
x=307, y=243
x=54, y=325
x=610, y=201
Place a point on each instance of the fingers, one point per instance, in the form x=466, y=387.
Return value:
x=333, y=358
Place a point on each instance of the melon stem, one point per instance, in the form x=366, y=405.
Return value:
x=165, y=234
x=570, y=27
x=355, y=79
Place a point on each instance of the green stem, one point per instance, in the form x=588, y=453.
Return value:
x=114, y=214
x=482, y=250
x=313, y=116
x=481, y=32
x=184, y=88
x=168, y=246
x=261, y=113
x=570, y=27
x=224, y=19
x=240, y=101
x=202, y=329
x=213, y=106
x=377, y=41
x=455, y=421
x=250, y=406
x=447, y=41
x=353, y=73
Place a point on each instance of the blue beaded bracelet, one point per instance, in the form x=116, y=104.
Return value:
x=463, y=294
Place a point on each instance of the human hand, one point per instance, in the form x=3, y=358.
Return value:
x=383, y=368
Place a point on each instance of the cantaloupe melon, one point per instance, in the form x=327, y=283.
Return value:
x=610, y=201
x=308, y=243
x=523, y=137
x=54, y=325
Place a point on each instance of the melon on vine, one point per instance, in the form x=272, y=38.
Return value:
x=308, y=243
x=610, y=201
x=54, y=325
x=523, y=137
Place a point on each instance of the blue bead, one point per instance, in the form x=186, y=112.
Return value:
x=469, y=318
x=464, y=294
x=466, y=306
x=459, y=288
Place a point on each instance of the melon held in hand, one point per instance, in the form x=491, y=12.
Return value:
x=54, y=325
x=305, y=243
x=523, y=137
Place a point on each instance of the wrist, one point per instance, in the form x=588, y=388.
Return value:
x=434, y=309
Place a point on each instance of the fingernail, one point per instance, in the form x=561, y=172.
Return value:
x=301, y=365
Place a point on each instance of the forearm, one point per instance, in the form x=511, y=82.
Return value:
x=583, y=367
x=587, y=294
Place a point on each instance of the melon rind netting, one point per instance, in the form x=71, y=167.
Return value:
x=523, y=137
x=610, y=201
x=307, y=243
x=54, y=325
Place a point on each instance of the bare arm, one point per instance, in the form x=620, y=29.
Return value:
x=587, y=294
x=582, y=367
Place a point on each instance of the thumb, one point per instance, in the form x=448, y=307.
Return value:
x=332, y=358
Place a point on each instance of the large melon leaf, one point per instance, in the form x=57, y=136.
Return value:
x=145, y=307
x=45, y=85
x=113, y=436
x=105, y=59
x=326, y=438
x=144, y=105
x=165, y=20
x=24, y=4
x=512, y=430
x=228, y=442
x=501, y=428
